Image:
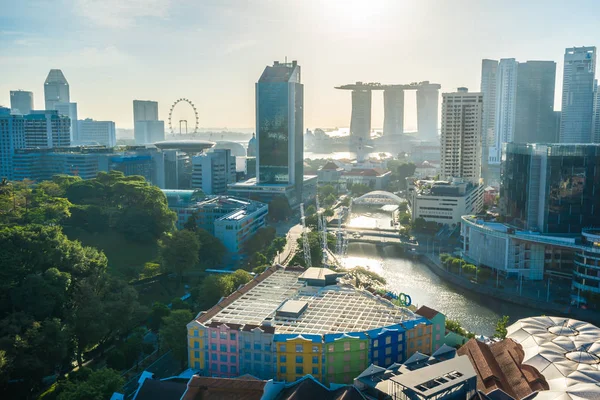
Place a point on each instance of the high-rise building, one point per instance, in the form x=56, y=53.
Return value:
x=578, y=95
x=69, y=110
x=21, y=101
x=551, y=188
x=56, y=89
x=596, y=115
x=393, y=108
x=213, y=171
x=506, y=101
x=534, y=115
x=360, y=124
x=489, y=69
x=12, y=137
x=147, y=128
x=96, y=132
x=46, y=128
x=145, y=110
x=428, y=98
x=280, y=126
x=461, y=135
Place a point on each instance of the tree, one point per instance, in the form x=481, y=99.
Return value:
x=240, y=277
x=310, y=210
x=358, y=189
x=364, y=278
x=501, y=327
x=159, y=311
x=178, y=252
x=99, y=385
x=212, y=250
x=279, y=209
x=173, y=334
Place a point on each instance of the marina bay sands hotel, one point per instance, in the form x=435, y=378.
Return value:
x=393, y=103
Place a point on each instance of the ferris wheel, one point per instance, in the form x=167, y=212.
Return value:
x=182, y=122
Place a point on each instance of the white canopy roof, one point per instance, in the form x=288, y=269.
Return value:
x=566, y=351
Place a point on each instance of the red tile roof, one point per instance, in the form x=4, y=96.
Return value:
x=427, y=312
x=499, y=366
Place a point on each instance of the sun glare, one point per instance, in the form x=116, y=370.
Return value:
x=353, y=13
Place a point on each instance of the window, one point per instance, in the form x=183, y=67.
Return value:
x=376, y=343
x=213, y=367
x=315, y=359
x=246, y=356
x=223, y=368
x=282, y=358
x=233, y=359
x=196, y=344
x=233, y=369
x=388, y=340
x=315, y=349
x=213, y=346
x=388, y=351
x=247, y=345
x=437, y=337
x=362, y=356
x=399, y=337
x=223, y=358
x=213, y=356
x=400, y=348
x=331, y=359
x=196, y=354
x=376, y=354
x=196, y=365
x=420, y=343
x=196, y=333
x=267, y=347
x=223, y=336
x=299, y=359
x=331, y=369
x=283, y=369
x=419, y=332
x=347, y=346
x=223, y=348
x=412, y=345
x=388, y=361
x=257, y=346
x=213, y=334
x=346, y=357
x=437, y=327
x=282, y=348
x=257, y=357
x=233, y=349
x=299, y=348
x=362, y=345
x=330, y=348
x=315, y=370
x=300, y=370
x=232, y=336
x=267, y=358
x=346, y=368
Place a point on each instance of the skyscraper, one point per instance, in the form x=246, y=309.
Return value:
x=506, y=101
x=56, y=89
x=461, y=135
x=534, y=115
x=147, y=128
x=12, y=136
x=21, y=100
x=393, y=107
x=596, y=115
x=428, y=97
x=280, y=126
x=578, y=95
x=489, y=69
x=360, y=124
x=96, y=132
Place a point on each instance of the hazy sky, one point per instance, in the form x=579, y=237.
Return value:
x=213, y=51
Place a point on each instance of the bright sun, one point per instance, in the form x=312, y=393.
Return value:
x=353, y=13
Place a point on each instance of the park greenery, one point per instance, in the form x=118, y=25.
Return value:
x=454, y=326
x=501, y=327
x=458, y=266
x=315, y=248
x=400, y=171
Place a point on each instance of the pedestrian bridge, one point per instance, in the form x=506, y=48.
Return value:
x=378, y=197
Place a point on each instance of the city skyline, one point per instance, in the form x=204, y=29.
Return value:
x=168, y=50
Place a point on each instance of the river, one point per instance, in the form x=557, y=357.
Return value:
x=475, y=313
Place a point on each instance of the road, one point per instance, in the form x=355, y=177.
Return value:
x=292, y=236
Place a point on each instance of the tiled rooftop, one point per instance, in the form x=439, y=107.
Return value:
x=331, y=309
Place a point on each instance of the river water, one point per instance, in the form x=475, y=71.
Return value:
x=475, y=313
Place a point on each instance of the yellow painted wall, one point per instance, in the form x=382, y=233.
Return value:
x=308, y=350
x=191, y=349
x=423, y=333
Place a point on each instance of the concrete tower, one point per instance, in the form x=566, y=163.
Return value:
x=22, y=101
x=360, y=124
x=56, y=89
x=428, y=98
x=393, y=107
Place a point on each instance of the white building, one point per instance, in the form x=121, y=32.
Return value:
x=92, y=132
x=47, y=129
x=56, y=89
x=444, y=202
x=69, y=110
x=236, y=228
x=578, y=95
x=461, y=135
x=146, y=125
x=213, y=171
x=21, y=101
x=12, y=136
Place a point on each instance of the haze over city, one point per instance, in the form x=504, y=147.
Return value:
x=212, y=51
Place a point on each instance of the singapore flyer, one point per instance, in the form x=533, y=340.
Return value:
x=179, y=122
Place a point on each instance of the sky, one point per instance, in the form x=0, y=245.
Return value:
x=213, y=51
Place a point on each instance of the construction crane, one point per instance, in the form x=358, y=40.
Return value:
x=305, y=244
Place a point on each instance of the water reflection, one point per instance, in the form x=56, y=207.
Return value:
x=367, y=218
x=475, y=313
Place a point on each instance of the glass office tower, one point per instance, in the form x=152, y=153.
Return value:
x=280, y=126
x=551, y=188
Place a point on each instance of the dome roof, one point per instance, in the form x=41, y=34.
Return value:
x=237, y=149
